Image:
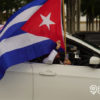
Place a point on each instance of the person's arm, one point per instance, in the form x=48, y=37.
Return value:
x=52, y=55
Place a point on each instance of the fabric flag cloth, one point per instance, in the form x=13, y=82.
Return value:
x=31, y=32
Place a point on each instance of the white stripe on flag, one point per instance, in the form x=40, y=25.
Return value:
x=23, y=16
x=19, y=41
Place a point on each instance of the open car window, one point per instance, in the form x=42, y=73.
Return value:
x=79, y=54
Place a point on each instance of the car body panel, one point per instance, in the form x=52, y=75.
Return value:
x=36, y=81
x=69, y=82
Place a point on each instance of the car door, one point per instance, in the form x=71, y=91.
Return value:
x=65, y=82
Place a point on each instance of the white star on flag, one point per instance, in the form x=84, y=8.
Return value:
x=46, y=20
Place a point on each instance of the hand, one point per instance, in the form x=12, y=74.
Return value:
x=67, y=62
x=58, y=44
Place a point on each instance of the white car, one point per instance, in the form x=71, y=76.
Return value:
x=36, y=81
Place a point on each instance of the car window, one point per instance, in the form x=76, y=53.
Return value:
x=78, y=53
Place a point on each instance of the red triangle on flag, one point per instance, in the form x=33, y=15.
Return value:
x=46, y=22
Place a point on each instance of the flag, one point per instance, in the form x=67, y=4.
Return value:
x=31, y=32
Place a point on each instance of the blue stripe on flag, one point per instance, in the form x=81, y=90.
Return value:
x=25, y=54
x=13, y=31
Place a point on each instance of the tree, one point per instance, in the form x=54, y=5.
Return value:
x=8, y=7
x=91, y=9
x=78, y=5
x=71, y=16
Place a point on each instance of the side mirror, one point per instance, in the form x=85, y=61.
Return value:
x=94, y=60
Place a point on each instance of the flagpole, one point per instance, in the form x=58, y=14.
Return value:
x=64, y=26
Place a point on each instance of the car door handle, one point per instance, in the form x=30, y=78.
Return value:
x=48, y=73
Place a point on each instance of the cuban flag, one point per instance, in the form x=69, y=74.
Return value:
x=31, y=32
